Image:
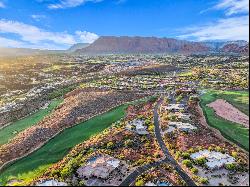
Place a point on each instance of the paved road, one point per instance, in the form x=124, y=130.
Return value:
x=132, y=177
x=169, y=157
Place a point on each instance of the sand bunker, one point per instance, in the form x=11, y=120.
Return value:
x=229, y=112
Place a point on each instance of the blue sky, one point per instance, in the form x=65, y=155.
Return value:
x=58, y=24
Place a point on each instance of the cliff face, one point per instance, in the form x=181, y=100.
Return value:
x=113, y=45
x=234, y=48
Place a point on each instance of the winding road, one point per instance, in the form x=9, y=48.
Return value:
x=132, y=177
x=169, y=159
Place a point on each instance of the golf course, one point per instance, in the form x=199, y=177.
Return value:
x=59, y=146
x=232, y=131
x=10, y=131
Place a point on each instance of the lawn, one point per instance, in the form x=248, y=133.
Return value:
x=232, y=131
x=10, y=131
x=59, y=146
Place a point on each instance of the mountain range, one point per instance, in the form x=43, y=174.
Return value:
x=127, y=45
x=144, y=45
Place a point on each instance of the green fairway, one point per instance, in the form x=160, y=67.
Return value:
x=10, y=131
x=232, y=131
x=59, y=146
x=239, y=99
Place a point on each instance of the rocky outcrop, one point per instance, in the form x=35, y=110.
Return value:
x=237, y=49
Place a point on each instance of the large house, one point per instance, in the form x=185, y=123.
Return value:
x=175, y=107
x=215, y=160
x=184, y=127
x=139, y=126
x=51, y=182
x=100, y=167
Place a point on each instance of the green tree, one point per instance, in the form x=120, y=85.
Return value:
x=230, y=167
x=140, y=182
x=203, y=180
x=187, y=163
x=194, y=170
x=201, y=161
x=185, y=155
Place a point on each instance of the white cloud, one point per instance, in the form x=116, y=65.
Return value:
x=70, y=3
x=87, y=37
x=38, y=17
x=32, y=36
x=10, y=43
x=2, y=4
x=235, y=28
x=233, y=6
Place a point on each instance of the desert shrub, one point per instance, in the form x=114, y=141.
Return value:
x=210, y=148
x=203, y=180
x=177, y=155
x=218, y=149
x=151, y=127
x=194, y=170
x=157, y=155
x=139, y=182
x=81, y=183
x=187, y=163
x=235, y=154
x=230, y=167
x=147, y=122
x=140, y=162
x=185, y=155
x=110, y=145
x=66, y=172
x=191, y=150
x=201, y=161
x=128, y=143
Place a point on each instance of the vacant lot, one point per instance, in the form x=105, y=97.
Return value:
x=59, y=146
x=232, y=131
x=239, y=99
x=13, y=129
x=227, y=111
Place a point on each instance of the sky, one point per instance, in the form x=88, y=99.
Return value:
x=58, y=24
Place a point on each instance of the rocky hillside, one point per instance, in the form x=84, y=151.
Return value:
x=217, y=45
x=234, y=48
x=123, y=45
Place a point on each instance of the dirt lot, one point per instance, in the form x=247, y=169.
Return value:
x=229, y=112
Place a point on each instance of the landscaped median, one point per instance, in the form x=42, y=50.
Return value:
x=232, y=131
